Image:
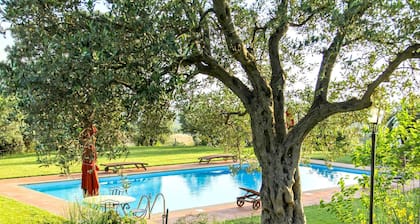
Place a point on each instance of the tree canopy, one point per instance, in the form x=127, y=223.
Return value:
x=71, y=61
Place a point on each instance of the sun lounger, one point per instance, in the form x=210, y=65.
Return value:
x=122, y=165
x=250, y=196
x=207, y=159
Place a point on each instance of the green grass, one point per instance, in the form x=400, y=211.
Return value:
x=16, y=212
x=324, y=156
x=314, y=215
x=24, y=165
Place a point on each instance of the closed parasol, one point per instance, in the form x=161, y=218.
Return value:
x=90, y=181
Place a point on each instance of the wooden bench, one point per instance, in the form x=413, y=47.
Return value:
x=121, y=165
x=208, y=158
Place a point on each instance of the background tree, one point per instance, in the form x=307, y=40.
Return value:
x=256, y=49
x=335, y=136
x=153, y=124
x=214, y=116
x=11, y=126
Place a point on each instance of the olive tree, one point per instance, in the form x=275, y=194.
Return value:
x=363, y=43
x=257, y=49
x=73, y=66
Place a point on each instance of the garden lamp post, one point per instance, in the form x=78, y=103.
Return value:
x=374, y=118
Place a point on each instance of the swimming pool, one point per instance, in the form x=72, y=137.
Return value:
x=191, y=188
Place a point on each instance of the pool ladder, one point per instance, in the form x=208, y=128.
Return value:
x=147, y=210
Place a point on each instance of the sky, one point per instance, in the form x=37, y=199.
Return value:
x=5, y=40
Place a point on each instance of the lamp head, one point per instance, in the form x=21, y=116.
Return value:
x=375, y=115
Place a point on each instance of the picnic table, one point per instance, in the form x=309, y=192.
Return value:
x=208, y=158
x=122, y=165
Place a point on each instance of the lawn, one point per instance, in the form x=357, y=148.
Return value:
x=314, y=215
x=23, y=165
x=17, y=212
x=324, y=156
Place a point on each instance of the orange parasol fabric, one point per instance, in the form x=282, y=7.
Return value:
x=90, y=180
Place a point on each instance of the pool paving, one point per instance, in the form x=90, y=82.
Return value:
x=12, y=188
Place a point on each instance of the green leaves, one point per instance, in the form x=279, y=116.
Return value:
x=74, y=66
x=397, y=162
x=11, y=126
x=216, y=118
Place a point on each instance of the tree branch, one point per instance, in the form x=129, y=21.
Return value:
x=208, y=66
x=203, y=16
x=303, y=22
x=236, y=46
x=254, y=33
x=330, y=55
x=324, y=110
x=313, y=13
x=125, y=84
x=229, y=114
x=410, y=52
x=277, y=82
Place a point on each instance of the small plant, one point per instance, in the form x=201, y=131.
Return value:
x=91, y=214
x=125, y=183
x=342, y=204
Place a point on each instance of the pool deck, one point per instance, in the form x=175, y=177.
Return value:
x=11, y=188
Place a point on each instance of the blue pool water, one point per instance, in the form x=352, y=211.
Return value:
x=197, y=187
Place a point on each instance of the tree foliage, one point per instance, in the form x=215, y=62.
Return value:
x=398, y=162
x=398, y=143
x=73, y=66
x=75, y=60
x=215, y=117
x=335, y=136
x=11, y=126
x=153, y=125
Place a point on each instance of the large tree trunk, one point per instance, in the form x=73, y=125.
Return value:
x=281, y=192
x=279, y=160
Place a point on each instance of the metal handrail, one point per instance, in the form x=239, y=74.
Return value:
x=154, y=202
x=148, y=209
